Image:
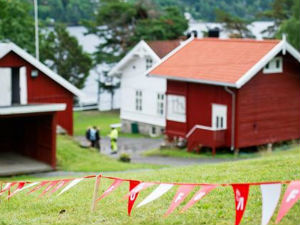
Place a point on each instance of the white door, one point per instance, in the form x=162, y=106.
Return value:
x=219, y=116
x=5, y=86
x=23, y=86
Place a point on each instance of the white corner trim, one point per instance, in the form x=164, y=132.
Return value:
x=33, y=61
x=171, y=53
x=293, y=51
x=28, y=109
x=201, y=127
x=260, y=64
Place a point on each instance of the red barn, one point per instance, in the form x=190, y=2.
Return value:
x=33, y=101
x=232, y=93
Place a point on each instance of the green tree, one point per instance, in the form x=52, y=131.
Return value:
x=63, y=54
x=280, y=10
x=236, y=26
x=122, y=24
x=16, y=24
x=291, y=26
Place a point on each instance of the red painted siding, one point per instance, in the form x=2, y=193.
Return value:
x=199, y=100
x=43, y=89
x=268, y=107
x=35, y=135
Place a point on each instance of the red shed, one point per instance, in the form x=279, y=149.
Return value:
x=33, y=101
x=232, y=92
x=25, y=80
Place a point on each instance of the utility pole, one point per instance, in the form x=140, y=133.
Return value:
x=36, y=23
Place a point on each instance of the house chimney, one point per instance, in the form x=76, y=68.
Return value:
x=214, y=33
x=192, y=33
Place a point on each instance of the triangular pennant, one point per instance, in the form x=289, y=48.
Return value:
x=42, y=184
x=70, y=185
x=241, y=192
x=199, y=195
x=291, y=196
x=49, y=187
x=270, y=197
x=60, y=184
x=20, y=186
x=132, y=197
x=111, y=188
x=7, y=187
x=158, y=192
x=138, y=188
x=181, y=194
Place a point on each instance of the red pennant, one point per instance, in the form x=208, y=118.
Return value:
x=291, y=196
x=181, y=194
x=112, y=187
x=132, y=197
x=241, y=192
x=60, y=185
x=49, y=187
x=20, y=186
x=199, y=195
x=139, y=188
x=8, y=186
x=42, y=184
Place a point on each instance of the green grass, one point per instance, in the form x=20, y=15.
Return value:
x=182, y=153
x=85, y=119
x=216, y=208
x=71, y=157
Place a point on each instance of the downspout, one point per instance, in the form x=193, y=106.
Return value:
x=232, y=116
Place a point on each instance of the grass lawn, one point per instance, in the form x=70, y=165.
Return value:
x=71, y=157
x=182, y=153
x=84, y=119
x=216, y=208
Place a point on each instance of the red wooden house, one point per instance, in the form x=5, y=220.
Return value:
x=33, y=101
x=232, y=93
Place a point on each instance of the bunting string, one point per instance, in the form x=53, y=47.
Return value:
x=270, y=190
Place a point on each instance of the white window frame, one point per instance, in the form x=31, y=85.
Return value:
x=160, y=107
x=176, y=108
x=272, y=67
x=149, y=62
x=139, y=100
x=219, y=112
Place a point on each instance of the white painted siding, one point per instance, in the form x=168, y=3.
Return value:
x=5, y=86
x=133, y=78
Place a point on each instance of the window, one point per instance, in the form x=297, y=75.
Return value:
x=160, y=104
x=274, y=66
x=176, y=108
x=219, y=116
x=138, y=100
x=149, y=63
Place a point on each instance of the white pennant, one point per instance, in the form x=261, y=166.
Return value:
x=270, y=197
x=70, y=185
x=159, y=191
x=27, y=186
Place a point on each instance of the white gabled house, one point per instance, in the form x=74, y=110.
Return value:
x=142, y=97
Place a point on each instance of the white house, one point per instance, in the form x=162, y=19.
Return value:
x=142, y=97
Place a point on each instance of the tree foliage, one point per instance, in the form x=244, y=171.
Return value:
x=122, y=24
x=291, y=26
x=58, y=49
x=16, y=24
x=64, y=55
x=236, y=26
x=70, y=12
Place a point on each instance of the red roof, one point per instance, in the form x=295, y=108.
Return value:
x=162, y=48
x=215, y=60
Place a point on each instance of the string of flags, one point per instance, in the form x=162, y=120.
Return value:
x=270, y=191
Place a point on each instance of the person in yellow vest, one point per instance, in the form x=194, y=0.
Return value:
x=114, y=140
